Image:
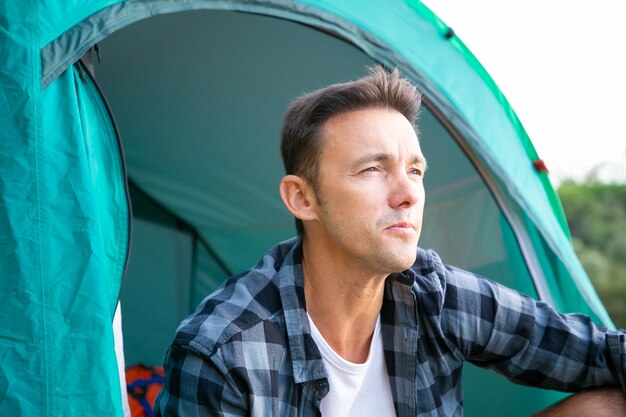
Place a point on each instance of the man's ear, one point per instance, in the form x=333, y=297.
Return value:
x=298, y=197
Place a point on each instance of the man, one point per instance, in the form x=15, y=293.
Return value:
x=351, y=318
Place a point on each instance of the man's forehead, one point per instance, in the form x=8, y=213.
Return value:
x=366, y=114
x=370, y=124
x=370, y=135
x=364, y=122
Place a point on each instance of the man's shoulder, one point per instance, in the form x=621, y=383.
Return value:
x=243, y=306
x=433, y=279
x=428, y=271
x=439, y=282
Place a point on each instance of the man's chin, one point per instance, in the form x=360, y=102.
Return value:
x=397, y=263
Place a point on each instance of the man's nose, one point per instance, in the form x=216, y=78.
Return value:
x=405, y=190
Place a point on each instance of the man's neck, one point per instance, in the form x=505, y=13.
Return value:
x=343, y=301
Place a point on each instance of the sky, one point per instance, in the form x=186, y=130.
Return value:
x=562, y=66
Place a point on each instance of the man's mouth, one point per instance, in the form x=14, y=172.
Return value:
x=403, y=226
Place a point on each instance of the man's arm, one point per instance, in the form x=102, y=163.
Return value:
x=600, y=402
x=195, y=386
x=528, y=341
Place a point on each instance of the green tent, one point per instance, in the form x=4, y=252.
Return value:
x=196, y=90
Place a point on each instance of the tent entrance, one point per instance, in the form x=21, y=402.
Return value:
x=170, y=270
x=199, y=98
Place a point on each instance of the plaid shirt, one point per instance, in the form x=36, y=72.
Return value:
x=247, y=349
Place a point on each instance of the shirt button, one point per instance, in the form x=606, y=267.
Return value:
x=321, y=385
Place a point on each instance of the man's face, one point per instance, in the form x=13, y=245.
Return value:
x=371, y=192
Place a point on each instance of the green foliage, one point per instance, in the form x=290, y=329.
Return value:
x=596, y=215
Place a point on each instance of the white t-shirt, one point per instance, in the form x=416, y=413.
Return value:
x=356, y=389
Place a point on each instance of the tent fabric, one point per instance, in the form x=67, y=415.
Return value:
x=58, y=298
x=64, y=214
x=417, y=44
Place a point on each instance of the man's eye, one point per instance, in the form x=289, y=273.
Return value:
x=416, y=171
x=370, y=169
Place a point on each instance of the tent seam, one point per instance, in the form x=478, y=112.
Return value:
x=39, y=157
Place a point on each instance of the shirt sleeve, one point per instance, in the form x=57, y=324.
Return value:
x=527, y=340
x=196, y=387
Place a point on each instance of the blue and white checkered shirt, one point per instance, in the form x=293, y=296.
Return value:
x=247, y=349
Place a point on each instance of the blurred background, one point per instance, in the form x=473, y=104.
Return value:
x=560, y=64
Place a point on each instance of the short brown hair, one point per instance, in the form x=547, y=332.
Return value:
x=301, y=138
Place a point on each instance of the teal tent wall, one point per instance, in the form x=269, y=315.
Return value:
x=64, y=236
x=198, y=92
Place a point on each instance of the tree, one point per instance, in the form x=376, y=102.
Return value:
x=596, y=215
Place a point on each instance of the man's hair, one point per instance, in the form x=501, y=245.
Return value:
x=301, y=135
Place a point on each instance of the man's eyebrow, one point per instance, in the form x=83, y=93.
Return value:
x=381, y=157
x=420, y=160
x=375, y=157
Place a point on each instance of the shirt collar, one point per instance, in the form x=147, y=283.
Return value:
x=306, y=359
